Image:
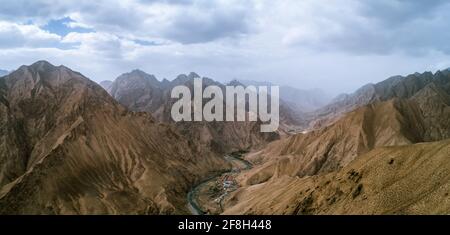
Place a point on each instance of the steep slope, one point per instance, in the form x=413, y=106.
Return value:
x=142, y=92
x=434, y=104
x=395, y=122
x=69, y=148
x=394, y=87
x=289, y=173
x=138, y=91
x=424, y=117
x=413, y=179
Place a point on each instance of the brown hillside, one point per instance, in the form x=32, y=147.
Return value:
x=68, y=148
x=413, y=179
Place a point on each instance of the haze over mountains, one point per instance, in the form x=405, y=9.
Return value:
x=394, y=87
x=140, y=91
x=69, y=146
x=300, y=100
x=349, y=159
x=3, y=72
x=399, y=111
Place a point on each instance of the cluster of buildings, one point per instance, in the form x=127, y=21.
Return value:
x=228, y=183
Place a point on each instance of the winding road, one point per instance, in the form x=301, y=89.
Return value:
x=193, y=205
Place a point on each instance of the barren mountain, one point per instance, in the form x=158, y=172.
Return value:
x=138, y=91
x=67, y=147
x=294, y=168
x=330, y=148
x=424, y=117
x=411, y=179
x=301, y=100
x=142, y=92
x=106, y=85
x=291, y=117
x=394, y=87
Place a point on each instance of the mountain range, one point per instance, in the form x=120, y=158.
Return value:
x=71, y=146
x=143, y=92
x=378, y=150
x=393, y=87
x=300, y=100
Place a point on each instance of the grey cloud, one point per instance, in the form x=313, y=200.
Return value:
x=23, y=10
x=199, y=21
x=140, y=33
x=193, y=21
x=194, y=28
x=180, y=2
x=112, y=18
x=394, y=12
x=389, y=26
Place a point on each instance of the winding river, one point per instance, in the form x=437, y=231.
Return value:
x=193, y=205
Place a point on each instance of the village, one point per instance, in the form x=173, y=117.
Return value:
x=209, y=196
x=227, y=183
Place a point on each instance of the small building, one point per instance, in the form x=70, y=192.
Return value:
x=228, y=181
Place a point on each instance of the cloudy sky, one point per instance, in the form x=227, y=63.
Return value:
x=334, y=45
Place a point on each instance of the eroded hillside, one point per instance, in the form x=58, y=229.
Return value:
x=69, y=148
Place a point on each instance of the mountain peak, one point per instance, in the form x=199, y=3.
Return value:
x=44, y=71
x=42, y=65
x=193, y=75
x=181, y=76
x=138, y=71
x=138, y=75
x=235, y=82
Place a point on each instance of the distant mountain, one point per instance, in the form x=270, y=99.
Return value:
x=143, y=92
x=348, y=158
x=423, y=118
x=300, y=100
x=413, y=115
x=106, y=85
x=67, y=147
x=394, y=87
x=138, y=91
x=291, y=119
x=3, y=72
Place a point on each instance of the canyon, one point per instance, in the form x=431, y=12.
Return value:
x=72, y=146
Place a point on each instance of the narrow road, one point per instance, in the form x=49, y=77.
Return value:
x=192, y=195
